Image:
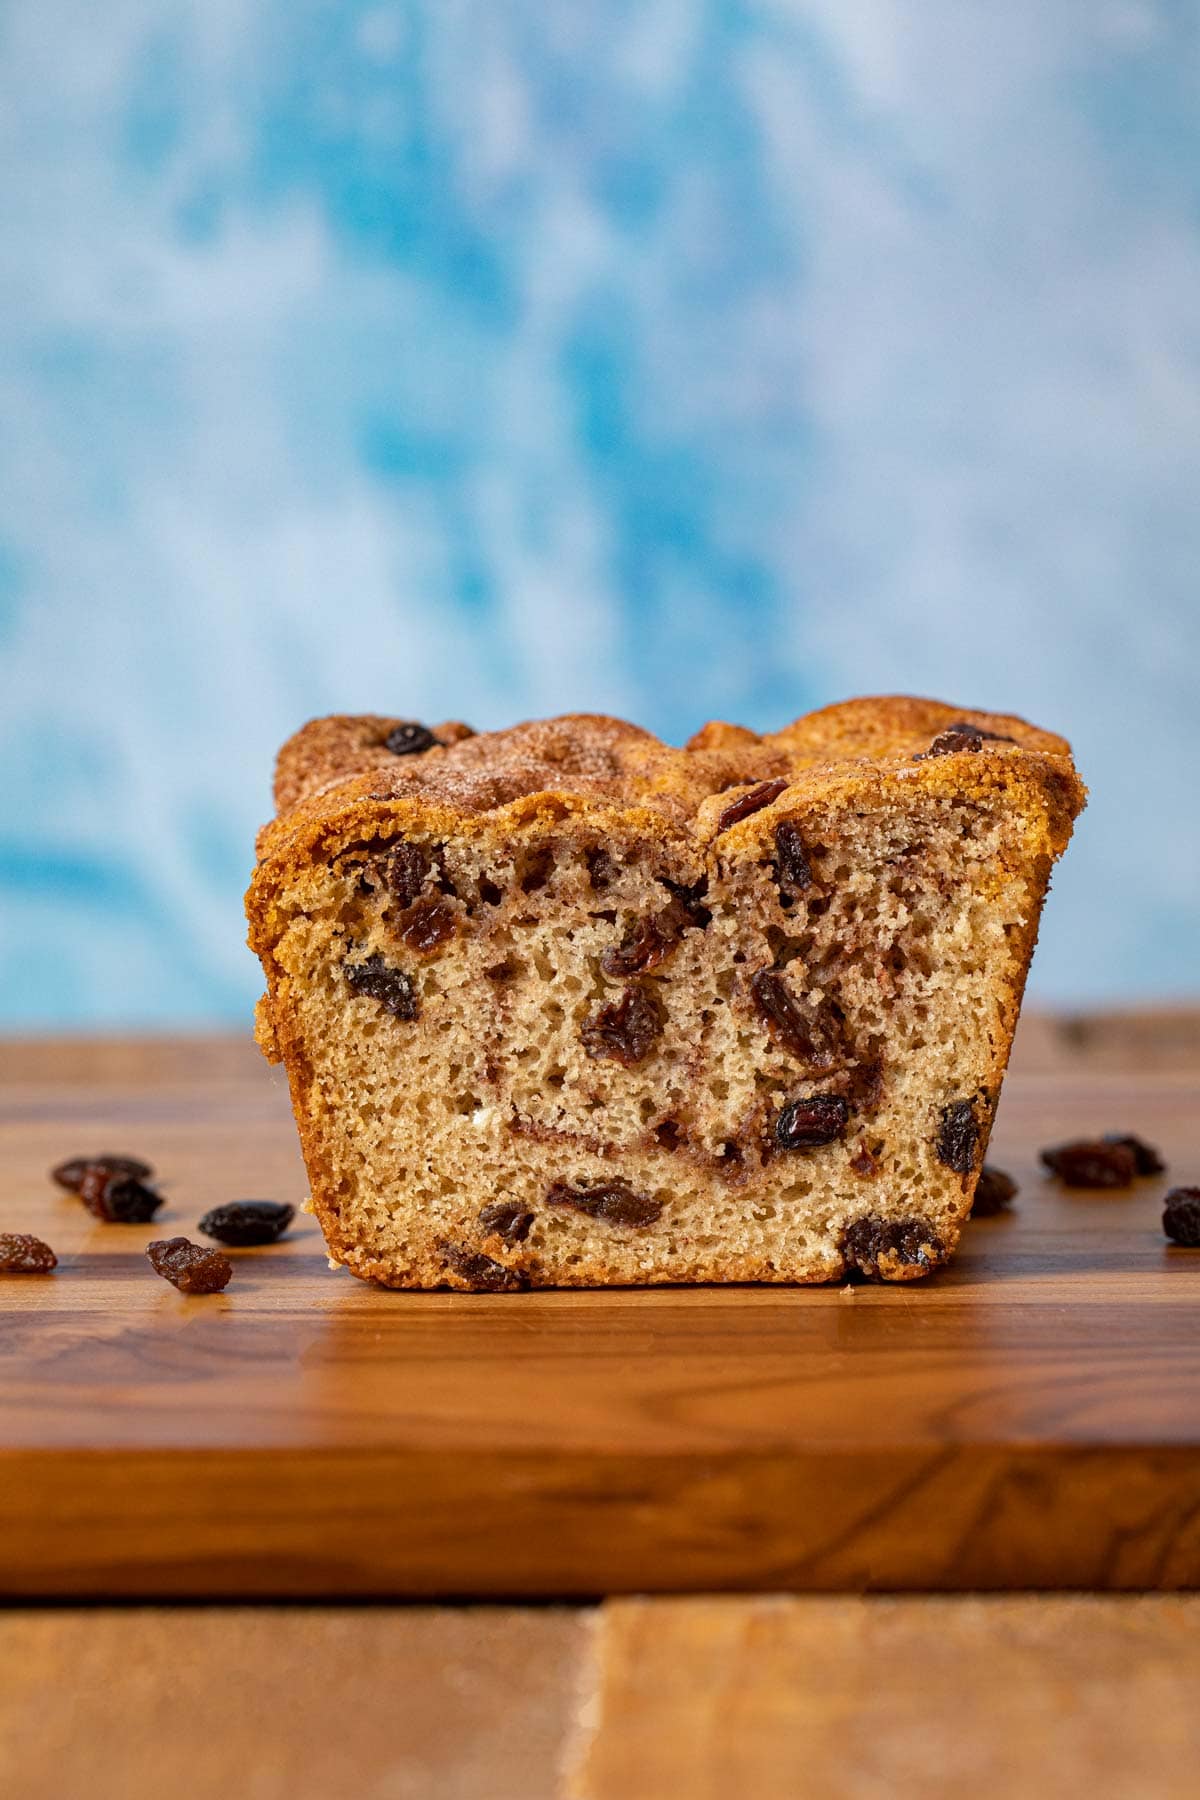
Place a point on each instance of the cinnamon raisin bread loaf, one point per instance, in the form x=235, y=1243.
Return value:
x=564, y=1006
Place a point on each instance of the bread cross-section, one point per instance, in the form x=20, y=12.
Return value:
x=564, y=1006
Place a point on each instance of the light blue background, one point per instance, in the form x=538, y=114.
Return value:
x=672, y=359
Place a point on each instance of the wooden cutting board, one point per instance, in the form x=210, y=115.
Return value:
x=1028, y=1418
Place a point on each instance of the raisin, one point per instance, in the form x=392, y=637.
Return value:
x=958, y=1136
x=1146, y=1159
x=70, y=1174
x=806, y=1124
x=409, y=739
x=601, y=869
x=426, y=924
x=626, y=1030
x=864, y=1086
x=962, y=735
x=795, y=870
x=989, y=737
x=378, y=980
x=994, y=1191
x=958, y=737
x=751, y=802
x=809, y=1033
x=191, y=1268
x=119, y=1199
x=613, y=1202
x=405, y=871
x=506, y=1218
x=22, y=1254
x=481, y=1272
x=876, y=1247
x=1181, y=1217
x=246, y=1222
x=648, y=942
x=690, y=898
x=1087, y=1164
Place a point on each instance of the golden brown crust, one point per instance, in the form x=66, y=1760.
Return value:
x=337, y=771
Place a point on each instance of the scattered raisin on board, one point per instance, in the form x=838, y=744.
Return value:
x=806, y=1124
x=994, y=1193
x=1087, y=1163
x=409, y=739
x=23, y=1254
x=190, y=1267
x=1146, y=1159
x=1181, y=1217
x=118, y=1199
x=70, y=1174
x=613, y=1202
x=246, y=1222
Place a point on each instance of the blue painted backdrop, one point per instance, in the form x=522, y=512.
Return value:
x=674, y=357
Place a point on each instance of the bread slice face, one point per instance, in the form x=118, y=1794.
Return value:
x=562, y=1006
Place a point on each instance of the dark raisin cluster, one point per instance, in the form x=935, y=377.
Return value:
x=626, y=1030
x=481, y=1271
x=507, y=1220
x=611, y=1201
x=379, y=980
x=114, y=1188
x=870, y=1242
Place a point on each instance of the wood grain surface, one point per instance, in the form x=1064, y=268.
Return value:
x=292, y=1703
x=1028, y=1418
x=1082, y=1698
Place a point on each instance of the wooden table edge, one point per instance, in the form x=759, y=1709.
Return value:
x=499, y=1525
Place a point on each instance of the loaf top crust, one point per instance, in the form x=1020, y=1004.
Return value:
x=337, y=773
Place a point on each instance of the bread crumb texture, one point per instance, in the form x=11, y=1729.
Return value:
x=563, y=1006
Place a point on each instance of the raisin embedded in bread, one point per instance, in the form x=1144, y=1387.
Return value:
x=564, y=1006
